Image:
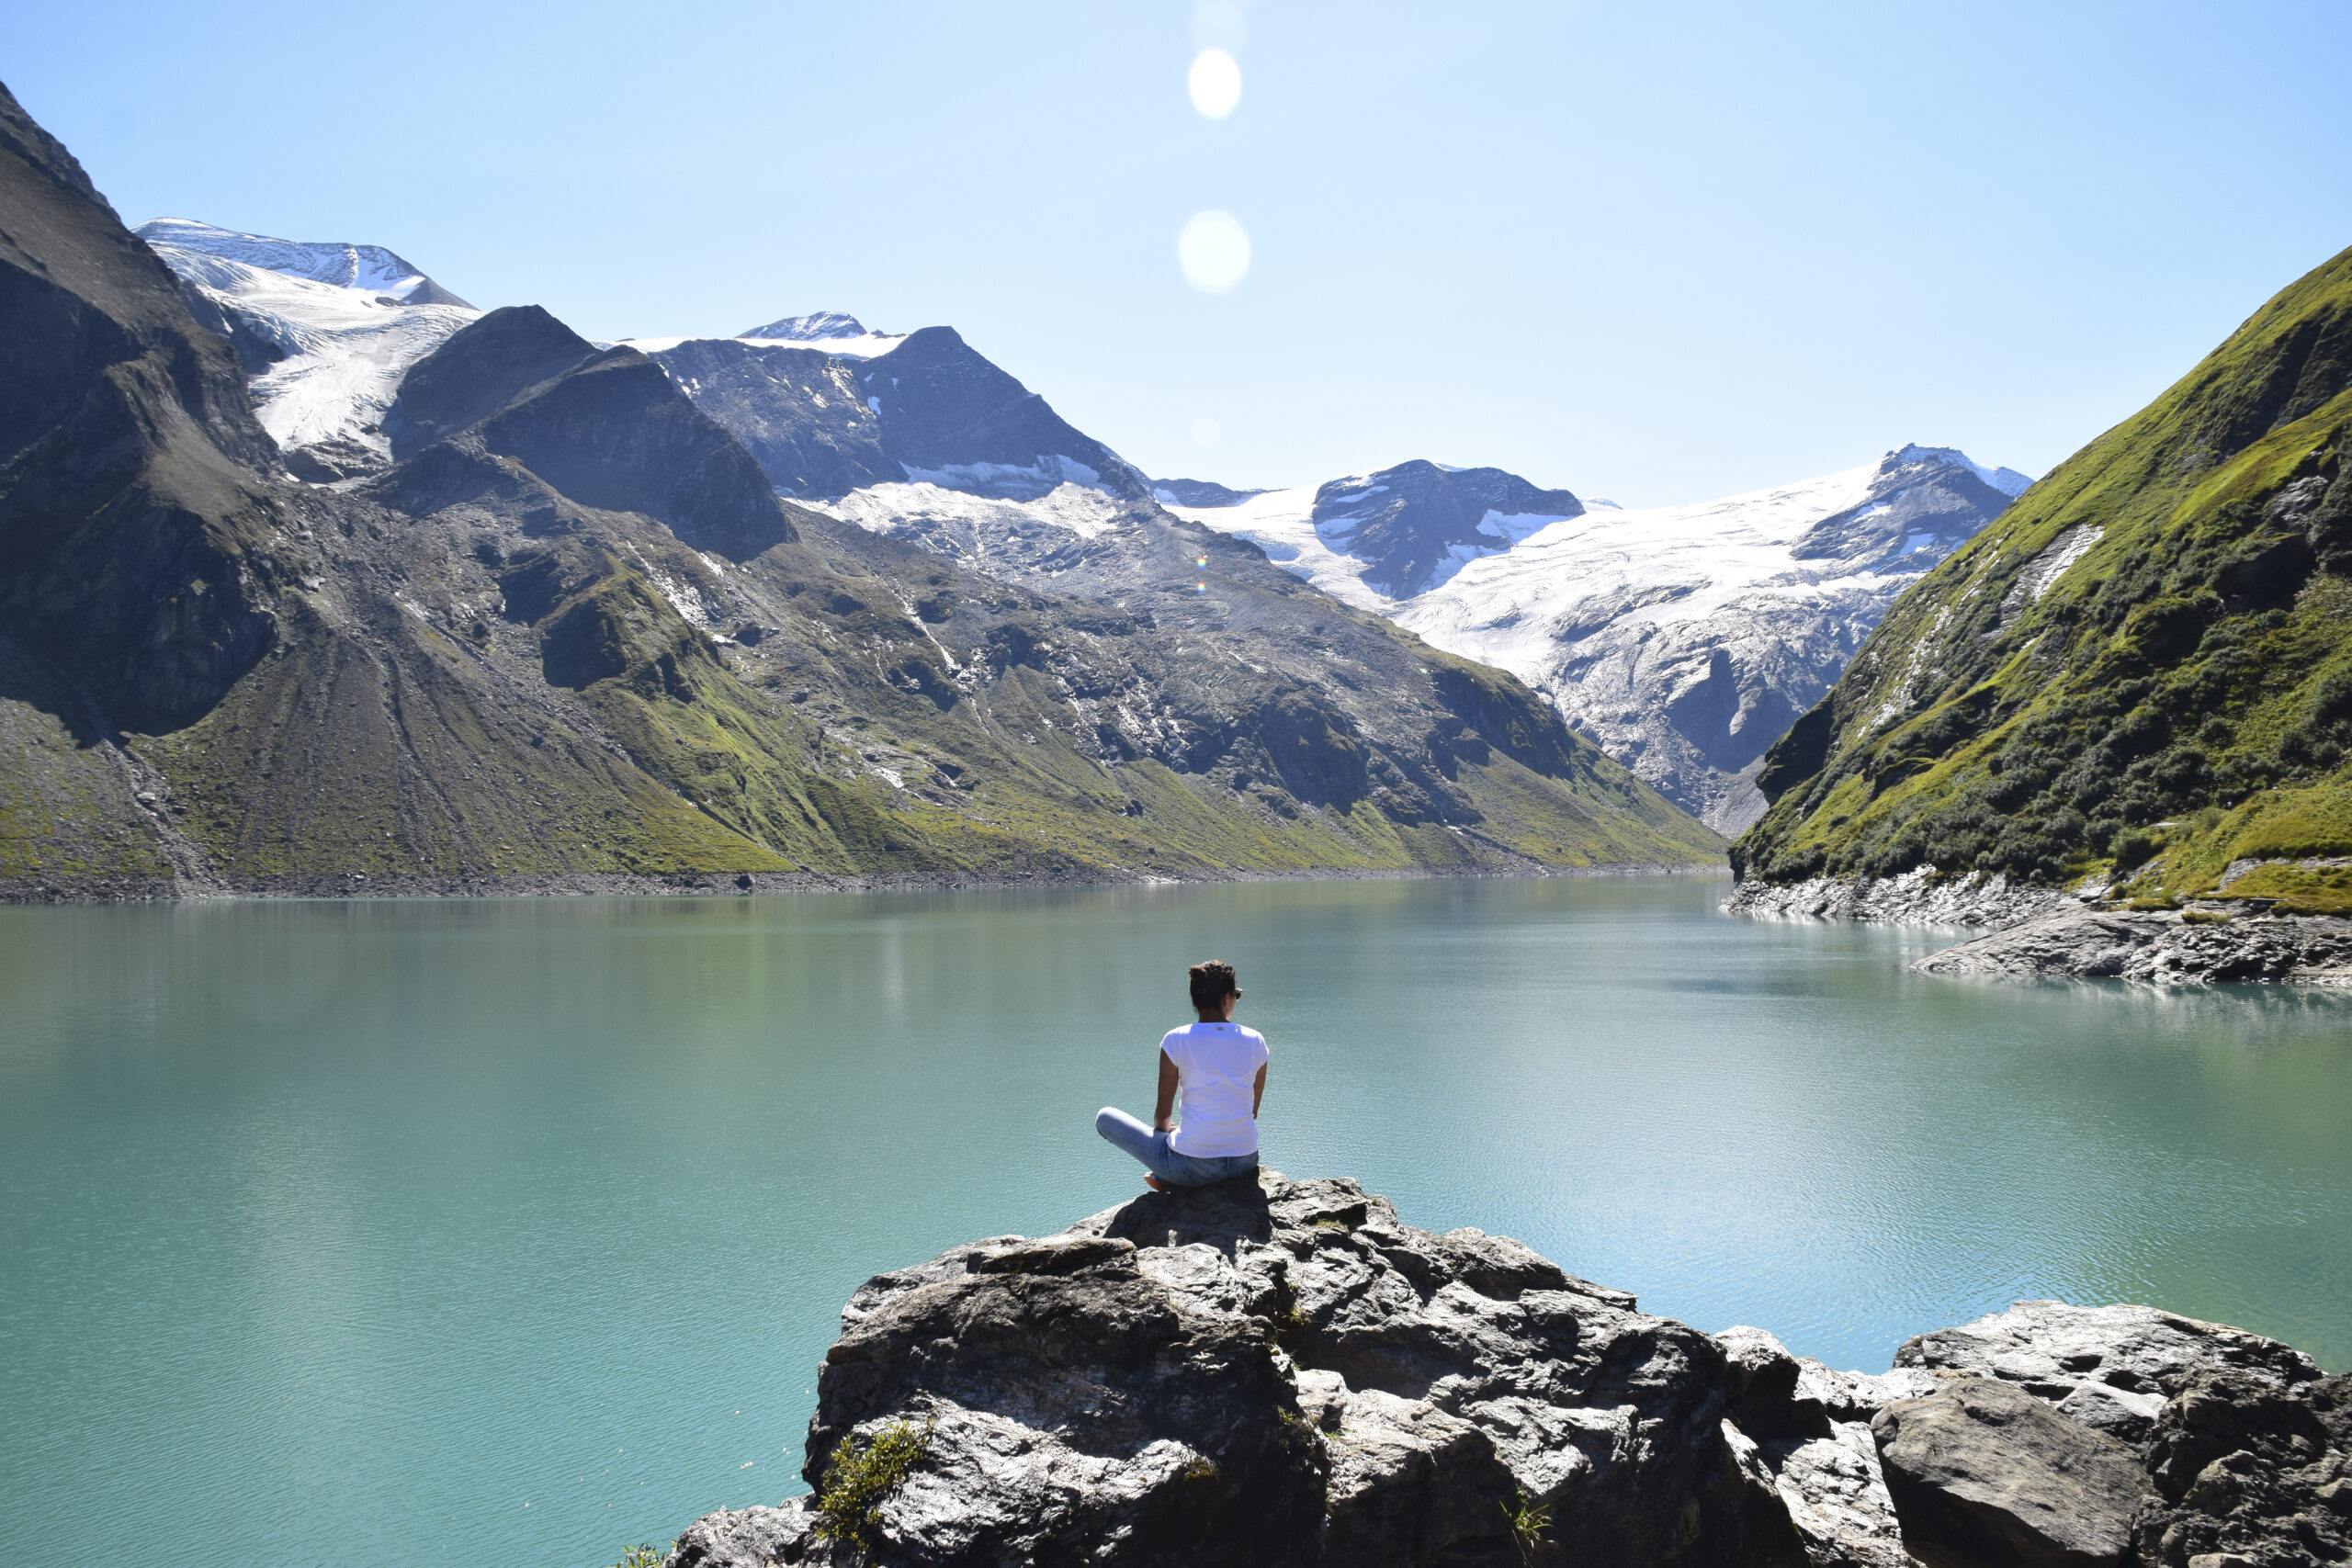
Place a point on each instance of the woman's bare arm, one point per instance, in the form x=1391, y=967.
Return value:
x=1163, y=1113
x=1258, y=1095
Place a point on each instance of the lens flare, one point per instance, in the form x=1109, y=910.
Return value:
x=1214, y=251
x=1201, y=561
x=1206, y=432
x=1214, y=82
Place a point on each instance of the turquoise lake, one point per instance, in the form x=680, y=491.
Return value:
x=401, y=1232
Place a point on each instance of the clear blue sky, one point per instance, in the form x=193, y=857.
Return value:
x=1650, y=251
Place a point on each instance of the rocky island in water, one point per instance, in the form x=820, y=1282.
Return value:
x=1276, y=1372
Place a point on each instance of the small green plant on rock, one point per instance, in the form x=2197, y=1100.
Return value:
x=1528, y=1521
x=641, y=1557
x=861, y=1473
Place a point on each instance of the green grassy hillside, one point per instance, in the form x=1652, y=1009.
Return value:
x=2142, y=671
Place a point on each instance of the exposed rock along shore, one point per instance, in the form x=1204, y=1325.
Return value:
x=689, y=884
x=1918, y=896
x=2162, y=946
x=2061, y=933
x=1278, y=1373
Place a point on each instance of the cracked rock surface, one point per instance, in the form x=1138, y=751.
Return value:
x=2159, y=947
x=1269, y=1373
x=1278, y=1373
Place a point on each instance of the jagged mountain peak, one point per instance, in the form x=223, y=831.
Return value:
x=1418, y=523
x=370, y=269
x=814, y=328
x=2009, y=482
x=1919, y=501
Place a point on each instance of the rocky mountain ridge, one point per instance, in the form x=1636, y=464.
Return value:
x=1276, y=1372
x=553, y=627
x=2135, y=688
x=920, y=438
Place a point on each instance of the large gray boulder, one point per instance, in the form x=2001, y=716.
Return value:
x=2109, y=1368
x=1985, y=1475
x=1273, y=1372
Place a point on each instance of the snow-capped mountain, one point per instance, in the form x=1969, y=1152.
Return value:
x=809, y=329
x=326, y=332
x=828, y=407
x=1376, y=539
x=1687, y=640
x=371, y=268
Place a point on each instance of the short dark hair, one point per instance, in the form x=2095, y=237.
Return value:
x=1212, y=983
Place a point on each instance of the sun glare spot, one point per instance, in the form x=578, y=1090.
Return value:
x=1214, y=251
x=1214, y=82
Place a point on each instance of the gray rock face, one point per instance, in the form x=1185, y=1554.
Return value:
x=813, y=328
x=2162, y=947
x=1917, y=897
x=138, y=533
x=1198, y=492
x=1985, y=1475
x=1813, y=1437
x=1418, y=523
x=2251, y=1473
x=2108, y=1368
x=1280, y=1372
x=932, y=408
x=1276, y=1372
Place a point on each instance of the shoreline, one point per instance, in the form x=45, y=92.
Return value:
x=39, y=890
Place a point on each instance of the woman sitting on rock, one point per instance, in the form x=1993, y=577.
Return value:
x=1221, y=1068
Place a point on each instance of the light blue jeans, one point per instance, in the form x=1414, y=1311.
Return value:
x=1123, y=1132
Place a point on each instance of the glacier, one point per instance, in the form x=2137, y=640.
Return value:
x=1685, y=639
x=327, y=330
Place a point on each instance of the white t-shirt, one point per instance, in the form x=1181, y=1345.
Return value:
x=1217, y=1066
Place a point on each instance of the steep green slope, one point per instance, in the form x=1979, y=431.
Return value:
x=575, y=635
x=2142, y=671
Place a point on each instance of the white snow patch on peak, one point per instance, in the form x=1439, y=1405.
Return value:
x=370, y=269
x=1282, y=523
x=976, y=520
x=809, y=329
x=343, y=348
x=1050, y=470
x=2009, y=482
x=871, y=345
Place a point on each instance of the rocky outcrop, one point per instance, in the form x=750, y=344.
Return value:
x=2251, y=1474
x=2108, y=1368
x=1985, y=1475
x=1275, y=1372
x=2163, y=946
x=1811, y=1426
x=1921, y=897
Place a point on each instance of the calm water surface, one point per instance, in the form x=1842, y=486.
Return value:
x=379, y=1232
